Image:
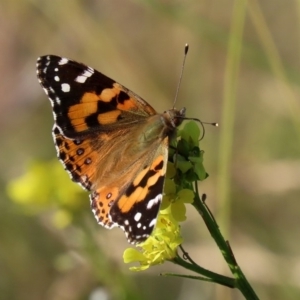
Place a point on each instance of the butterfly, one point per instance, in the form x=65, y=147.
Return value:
x=111, y=142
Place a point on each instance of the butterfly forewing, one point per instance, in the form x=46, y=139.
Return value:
x=111, y=141
x=85, y=100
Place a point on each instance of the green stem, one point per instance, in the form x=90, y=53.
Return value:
x=188, y=277
x=240, y=280
x=210, y=276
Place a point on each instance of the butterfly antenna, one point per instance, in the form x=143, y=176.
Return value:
x=207, y=123
x=186, y=49
x=202, y=125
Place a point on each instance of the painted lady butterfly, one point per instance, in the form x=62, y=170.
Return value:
x=111, y=142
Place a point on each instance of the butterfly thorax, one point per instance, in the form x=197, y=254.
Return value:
x=157, y=128
x=172, y=118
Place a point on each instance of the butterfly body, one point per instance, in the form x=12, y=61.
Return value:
x=111, y=142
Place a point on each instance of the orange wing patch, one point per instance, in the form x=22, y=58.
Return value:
x=101, y=202
x=142, y=184
x=78, y=158
x=109, y=107
x=136, y=210
x=109, y=117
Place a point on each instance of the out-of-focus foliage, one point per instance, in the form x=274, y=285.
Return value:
x=46, y=186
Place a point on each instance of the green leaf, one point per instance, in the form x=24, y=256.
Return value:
x=191, y=176
x=196, y=152
x=191, y=132
x=184, y=166
x=200, y=171
x=169, y=187
x=195, y=159
x=171, y=171
x=183, y=147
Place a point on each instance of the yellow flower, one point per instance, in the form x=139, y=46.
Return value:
x=176, y=201
x=159, y=247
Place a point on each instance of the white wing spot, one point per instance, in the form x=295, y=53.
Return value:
x=65, y=87
x=63, y=61
x=56, y=69
x=137, y=216
x=126, y=222
x=152, y=223
x=156, y=200
x=56, y=78
x=139, y=225
x=83, y=77
x=144, y=227
x=57, y=100
x=91, y=70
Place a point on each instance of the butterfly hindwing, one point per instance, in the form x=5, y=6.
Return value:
x=77, y=157
x=134, y=208
x=136, y=211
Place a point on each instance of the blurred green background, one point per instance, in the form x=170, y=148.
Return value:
x=243, y=71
